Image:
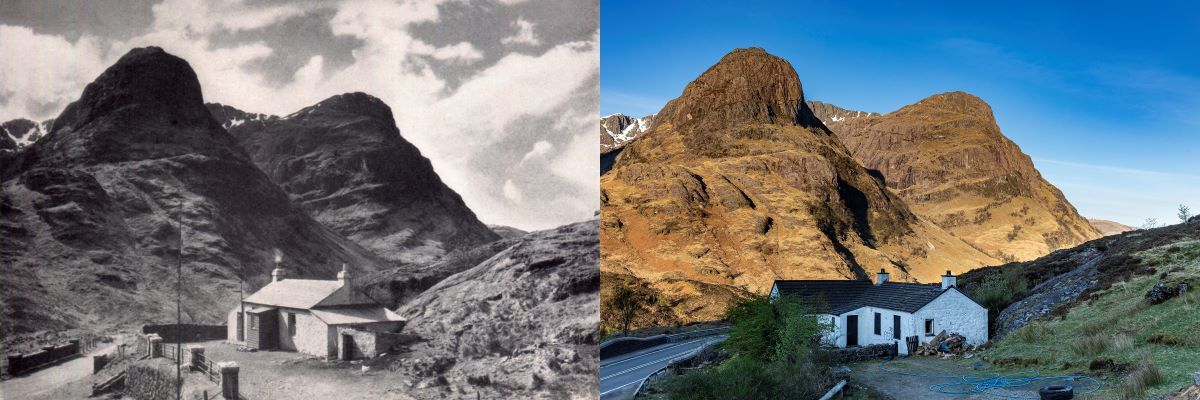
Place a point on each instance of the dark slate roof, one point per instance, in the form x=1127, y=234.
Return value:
x=836, y=297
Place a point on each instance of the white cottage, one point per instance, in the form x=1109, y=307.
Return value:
x=865, y=313
x=316, y=317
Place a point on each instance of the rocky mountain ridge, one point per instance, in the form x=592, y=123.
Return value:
x=346, y=163
x=739, y=183
x=91, y=212
x=946, y=157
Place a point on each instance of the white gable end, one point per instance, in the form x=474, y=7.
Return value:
x=953, y=312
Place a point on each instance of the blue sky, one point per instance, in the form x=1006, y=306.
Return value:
x=1105, y=98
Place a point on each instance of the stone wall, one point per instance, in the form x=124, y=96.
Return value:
x=371, y=343
x=172, y=333
x=19, y=363
x=865, y=353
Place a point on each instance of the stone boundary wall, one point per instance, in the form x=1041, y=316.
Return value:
x=865, y=353
x=19, y=363
x=188, y=332
x=370, y=344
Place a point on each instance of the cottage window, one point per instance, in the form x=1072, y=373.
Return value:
x=929, y=327
x=878, y=324
x=253, y=322
x=291, y=321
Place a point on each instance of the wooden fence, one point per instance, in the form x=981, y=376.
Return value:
x=207, y=367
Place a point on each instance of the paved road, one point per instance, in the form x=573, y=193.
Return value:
x=44, y=381
x=620, y=375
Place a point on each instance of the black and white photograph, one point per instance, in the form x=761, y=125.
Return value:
x=262, y=199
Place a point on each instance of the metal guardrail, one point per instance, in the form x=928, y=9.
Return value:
x=836, y=389
x=695, y=334
x=662, y=372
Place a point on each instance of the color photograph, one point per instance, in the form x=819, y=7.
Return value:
x=883, y=200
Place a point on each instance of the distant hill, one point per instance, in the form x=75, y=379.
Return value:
x=1108, y=228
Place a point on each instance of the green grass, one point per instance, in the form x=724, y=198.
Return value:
x=1120, y=325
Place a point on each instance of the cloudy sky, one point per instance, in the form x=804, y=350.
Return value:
x=502, y=95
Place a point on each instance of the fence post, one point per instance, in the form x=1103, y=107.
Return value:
x=229, y=379
x=156, y=349
x=196, y=355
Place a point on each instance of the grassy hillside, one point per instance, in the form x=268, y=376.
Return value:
x=1118, y=323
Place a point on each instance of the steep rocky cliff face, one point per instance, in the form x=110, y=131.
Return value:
x=946, y=157
x=344, y=161
x=524, y=320
x=88, y=221
x=739, y=184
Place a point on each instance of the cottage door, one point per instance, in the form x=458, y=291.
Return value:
x=851, y=330
x=241, y=327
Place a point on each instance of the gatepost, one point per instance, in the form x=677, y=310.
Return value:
x=229, y=379
x=196, y=355
x=155, y=345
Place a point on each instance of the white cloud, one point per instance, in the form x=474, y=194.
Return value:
x=41, y=74
x=511, y=192
x=538, y=151
x=524, y=34
x=462, y=52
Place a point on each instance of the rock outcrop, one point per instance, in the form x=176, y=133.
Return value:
x=946, y=157
x=90, y=216
x=345, y=162
x=738, y=184
x=521, y=324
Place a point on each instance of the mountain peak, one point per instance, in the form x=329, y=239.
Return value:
x=746, y=86
x=956, y=102
x=148, y=79
x=356, y=103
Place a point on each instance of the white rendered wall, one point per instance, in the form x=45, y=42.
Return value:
x=953, y=312
x=866, y=327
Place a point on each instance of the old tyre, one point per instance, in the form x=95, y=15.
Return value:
x=1056, y=393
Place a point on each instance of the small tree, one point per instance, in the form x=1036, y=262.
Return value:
x=626, y=303
x=1184, y=213
x=1150, y=223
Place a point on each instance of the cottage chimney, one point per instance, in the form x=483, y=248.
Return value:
x=949, y=281
x=344, y=276
x=881, y=277
x=278, y=274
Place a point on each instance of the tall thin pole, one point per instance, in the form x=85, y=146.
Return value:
x=179, y=308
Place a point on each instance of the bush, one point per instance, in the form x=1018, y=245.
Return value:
x=1146, y=374
x=1090, y=345
x=145, y=382
x=775, y=355
x=1032, y=331
x=998, y=289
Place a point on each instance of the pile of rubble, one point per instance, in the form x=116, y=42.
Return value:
x=945, y=344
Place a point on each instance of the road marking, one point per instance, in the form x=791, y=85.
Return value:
x=602, y=365
x=618, y=387
x=668, y=358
